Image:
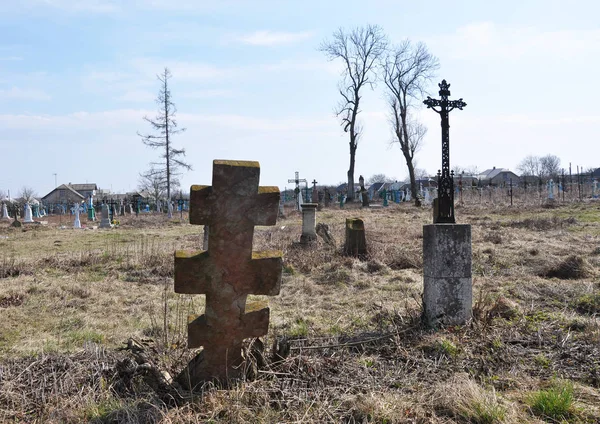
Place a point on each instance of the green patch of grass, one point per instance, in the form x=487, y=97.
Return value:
x=542, y=360
x=588, y=304
x=446, y=347
x=299, y=328
x=101, y=411
x=555, y=403
x=79, y=337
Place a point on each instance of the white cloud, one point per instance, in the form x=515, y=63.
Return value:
x=273, y=38
x=487, y=40
x=209, y=94
x=93, y=6
x=17, y=93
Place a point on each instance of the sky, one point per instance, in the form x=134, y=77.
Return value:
x=78, y=76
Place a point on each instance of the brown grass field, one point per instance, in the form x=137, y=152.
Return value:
x=358, y=353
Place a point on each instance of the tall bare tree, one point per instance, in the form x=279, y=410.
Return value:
x=550, y=167
x=27, y=194
x=530, y=168
x=165, y=127
x=407, y=70
x=359, y=49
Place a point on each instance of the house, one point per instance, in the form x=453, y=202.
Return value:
x=86, y=190
x=596, y=173
x=498, y=177
x=63, y=194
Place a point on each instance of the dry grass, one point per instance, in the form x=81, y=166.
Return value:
x=358, y=353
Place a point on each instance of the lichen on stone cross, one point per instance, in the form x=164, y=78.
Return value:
x=229, y=270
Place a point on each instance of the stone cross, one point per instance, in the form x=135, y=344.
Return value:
x=229, y=270
x=315, y=192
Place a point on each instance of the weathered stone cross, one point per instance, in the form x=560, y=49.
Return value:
x=229, y=270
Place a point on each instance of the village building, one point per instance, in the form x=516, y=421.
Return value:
x=498, y=177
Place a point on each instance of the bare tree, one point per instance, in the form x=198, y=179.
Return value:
x=165, y=125
x=27, y=194
x=549, y=167
x=420, y=174
x=380, y=178
x=360, y=50
x=407, y=70
x=155, y=184
x=530, y=168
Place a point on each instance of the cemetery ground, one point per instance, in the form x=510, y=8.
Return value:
x=345, y=343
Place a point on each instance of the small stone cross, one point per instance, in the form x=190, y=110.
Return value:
x=229, y=270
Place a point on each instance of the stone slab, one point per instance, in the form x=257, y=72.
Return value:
x=447, y=250
x=447, y=301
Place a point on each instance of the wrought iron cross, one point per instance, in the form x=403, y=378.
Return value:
x=445, y=177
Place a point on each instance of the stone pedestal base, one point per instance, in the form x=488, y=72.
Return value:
x=309, y=220
x=447, y=279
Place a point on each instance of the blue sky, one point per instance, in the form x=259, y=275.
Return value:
x=76, y=78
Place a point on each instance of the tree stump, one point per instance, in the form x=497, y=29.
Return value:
x=356, y=241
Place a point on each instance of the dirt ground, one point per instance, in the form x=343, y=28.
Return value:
x=348, y=332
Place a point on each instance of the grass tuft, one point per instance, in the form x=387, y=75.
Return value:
x=555, y=403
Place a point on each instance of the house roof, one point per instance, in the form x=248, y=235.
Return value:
x=64, y=187
x=84, y=187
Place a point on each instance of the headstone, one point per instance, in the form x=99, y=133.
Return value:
x=28, y=215
x=105, y=219
x=550, y=190
x=385, y=197
x=5, y=211
x=447, y=281
x=309, y=220
x=407, y=198
x=427, y=197
x=229, y=270
x=595, y=189
x=300, y=201
x=121, y=208
x=36, y=211
x=77, y=223
x=356, y=241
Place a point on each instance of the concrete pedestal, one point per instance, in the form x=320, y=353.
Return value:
x=447, y=278
x=309, y=221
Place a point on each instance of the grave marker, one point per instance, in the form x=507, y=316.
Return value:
x=229, y=270
x=77, y=223
x=105, y=221
x=447, y=274
x=297, y=190
x=28, y=214
x=5, y=211
x=309, y=221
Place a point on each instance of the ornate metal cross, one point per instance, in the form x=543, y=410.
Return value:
x=297, y=181
x=229, y=270
x=445, y=177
